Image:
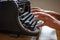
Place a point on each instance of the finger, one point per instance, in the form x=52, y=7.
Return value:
x=35, y=9
x=42, y=14
x=38, y=26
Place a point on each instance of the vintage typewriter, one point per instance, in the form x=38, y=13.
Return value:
x=17, y=22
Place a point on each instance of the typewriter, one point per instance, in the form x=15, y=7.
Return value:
x=17, y=22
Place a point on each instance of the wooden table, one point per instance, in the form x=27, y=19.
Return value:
x=7, y=37
x=58, y=34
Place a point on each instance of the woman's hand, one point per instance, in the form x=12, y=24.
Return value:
x=50, y=18
x=47, y=18
x=52, y=13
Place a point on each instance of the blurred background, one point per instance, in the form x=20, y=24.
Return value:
x=47, y=4
x=53, y=5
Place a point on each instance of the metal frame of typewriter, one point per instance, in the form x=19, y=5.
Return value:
x=10, y=18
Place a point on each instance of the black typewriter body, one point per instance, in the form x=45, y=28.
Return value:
x=14, y=22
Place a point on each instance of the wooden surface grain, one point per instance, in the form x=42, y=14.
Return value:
x=7, y=37
x=58, y=35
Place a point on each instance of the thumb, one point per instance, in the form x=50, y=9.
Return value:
x=38, y=26
x=40, y=23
